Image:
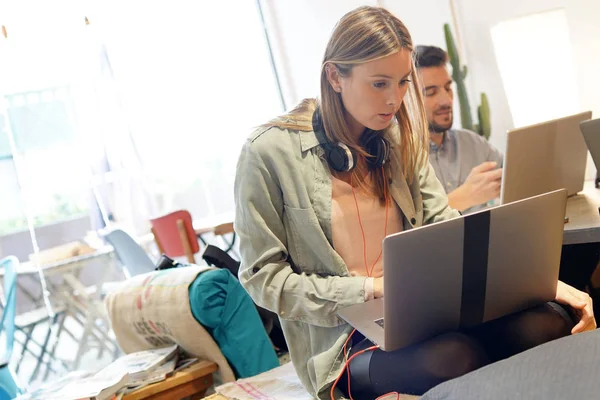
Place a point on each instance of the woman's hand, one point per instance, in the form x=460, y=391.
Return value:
x=581, y=303
x=378, y=287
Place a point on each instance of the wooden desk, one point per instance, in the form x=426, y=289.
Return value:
x=70, y=292
x=208, y=225
x=190, y=382
x=61, y=266
x=219, y=225
x=584, y=217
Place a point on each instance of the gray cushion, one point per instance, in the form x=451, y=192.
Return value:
x=566, y=368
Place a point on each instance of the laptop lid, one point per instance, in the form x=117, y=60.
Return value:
x=591, y=134
x=472, y=269
x=544, y=157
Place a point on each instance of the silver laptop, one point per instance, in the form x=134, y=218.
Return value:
x=591, y=135
x=465, y=271
x=544, y=157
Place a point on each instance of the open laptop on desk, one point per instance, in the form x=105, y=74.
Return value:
x=591, y=134
x=544, y=157
x=465, y=271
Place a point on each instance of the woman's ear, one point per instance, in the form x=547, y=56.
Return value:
x=333, y=77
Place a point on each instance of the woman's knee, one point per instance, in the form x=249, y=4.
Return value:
x=541, y=324
x=452, y=355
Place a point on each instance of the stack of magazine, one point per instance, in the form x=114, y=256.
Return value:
x=124, y=375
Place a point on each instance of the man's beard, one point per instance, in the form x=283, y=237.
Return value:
x=436, y=128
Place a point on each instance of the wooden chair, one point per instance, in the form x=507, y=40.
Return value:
x=174, y=235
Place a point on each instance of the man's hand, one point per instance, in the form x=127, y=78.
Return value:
x=482, y=185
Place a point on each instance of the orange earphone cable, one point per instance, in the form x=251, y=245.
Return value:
x=346, y=366
x=369, y=272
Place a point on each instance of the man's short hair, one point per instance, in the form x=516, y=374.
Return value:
x=430, y=56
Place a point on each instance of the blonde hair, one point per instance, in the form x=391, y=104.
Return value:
x=362, y=35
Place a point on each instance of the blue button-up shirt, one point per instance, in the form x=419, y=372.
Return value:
x=460, y=152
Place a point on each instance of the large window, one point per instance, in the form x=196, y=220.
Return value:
x=12, y=211
x=141, y=112
x=536, y=63
x=195, y=82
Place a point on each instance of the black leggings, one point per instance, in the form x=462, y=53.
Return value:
x=418, y=368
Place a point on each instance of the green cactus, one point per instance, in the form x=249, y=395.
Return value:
x=458, y=75
x=483, y=112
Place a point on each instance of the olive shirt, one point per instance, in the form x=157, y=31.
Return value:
x=283, y=195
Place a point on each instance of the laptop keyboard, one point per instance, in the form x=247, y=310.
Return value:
x=379, y=322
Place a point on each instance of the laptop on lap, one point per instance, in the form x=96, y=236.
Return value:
x=465, y=271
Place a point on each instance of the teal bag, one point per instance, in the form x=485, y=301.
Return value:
x=224, y=308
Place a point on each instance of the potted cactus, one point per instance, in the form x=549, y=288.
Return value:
x=483, y=127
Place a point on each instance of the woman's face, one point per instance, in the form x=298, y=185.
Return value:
x=373, y=91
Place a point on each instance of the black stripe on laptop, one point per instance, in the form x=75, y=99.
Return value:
x=475, y=256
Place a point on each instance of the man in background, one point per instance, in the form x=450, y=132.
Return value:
x=467, y=165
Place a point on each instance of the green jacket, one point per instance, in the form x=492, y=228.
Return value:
x=289, y=266
x=225, y=310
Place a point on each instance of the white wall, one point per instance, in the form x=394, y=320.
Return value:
x=476, y=18
x=424, y=19
x=299, y=31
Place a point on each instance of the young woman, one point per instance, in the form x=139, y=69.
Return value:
x=316, y=192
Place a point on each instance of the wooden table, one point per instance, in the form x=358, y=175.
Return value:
x=190, y=382
x=584, y=216
x=71, y=293
x=62, y=266
x=222, y=223
x=219, y=225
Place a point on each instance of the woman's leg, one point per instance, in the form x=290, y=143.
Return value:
x=412, y=370
x=507, y=336
x=418, y=368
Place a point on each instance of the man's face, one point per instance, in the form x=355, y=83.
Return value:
x=438, y=93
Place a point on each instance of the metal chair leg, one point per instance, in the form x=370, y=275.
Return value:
x=43, y=347
x=55, y=344
x=233, y=236
x=27, y=340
